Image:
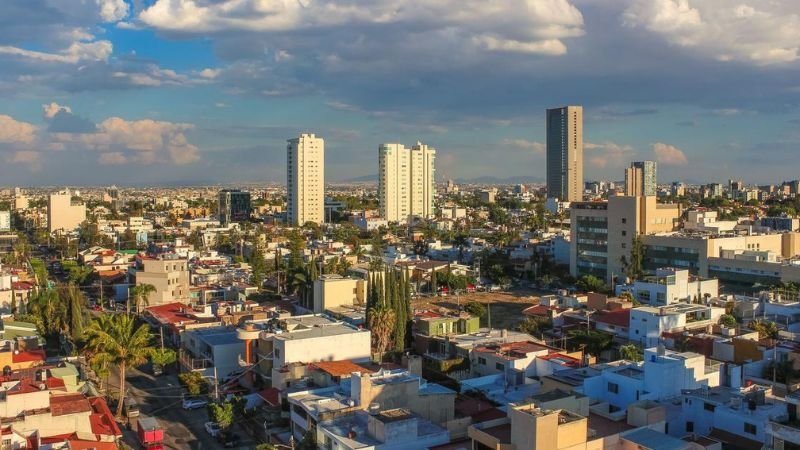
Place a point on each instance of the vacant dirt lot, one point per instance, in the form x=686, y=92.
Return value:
x=505, y=307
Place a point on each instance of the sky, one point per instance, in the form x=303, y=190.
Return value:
x=138, y=92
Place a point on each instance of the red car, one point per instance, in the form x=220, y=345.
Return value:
x=97, y=307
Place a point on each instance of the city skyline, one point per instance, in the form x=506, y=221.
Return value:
x=90, y=91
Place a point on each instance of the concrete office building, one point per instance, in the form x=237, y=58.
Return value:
x=170, y=277
x=5, y=220
x=331, y=291
x=305, y=180
x=63, y=213
x=565, y=153
x=233, y=206
x=602, y=233
x=640, y=179
x=406, y=184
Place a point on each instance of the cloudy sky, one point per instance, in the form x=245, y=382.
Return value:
x=202, y=91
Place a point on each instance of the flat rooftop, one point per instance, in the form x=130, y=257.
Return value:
x=356, y=425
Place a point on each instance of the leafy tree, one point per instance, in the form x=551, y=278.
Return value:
x=476, y=309
x=266, y=447
x=221, y=413
x=765, y=328
x=590, y=283
x=76, y=273
x=258, y=265
x=535, y=325
x=114, y=339
x=630, y=352
x=595, y=342
x=163, y=357
x=728, y=320
x=194, y=383
x=309, y=441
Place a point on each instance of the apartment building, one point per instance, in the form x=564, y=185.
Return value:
x=169, y=275
x=670, y=285
x=602, y=233
x=305, y=180
x=63, y=213
x=565, y=153
x=648, y=323
x=331, y=291
x=406, y=185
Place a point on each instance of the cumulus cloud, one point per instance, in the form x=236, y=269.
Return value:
x=50, y=110
x=113, y=158
x=669, y=155
x=529, y=26
x=761, y=33
x=537, y=148
x=13, y=131
x=61, y=120
x=143, y=141
x=112, y=10
x=607, y=154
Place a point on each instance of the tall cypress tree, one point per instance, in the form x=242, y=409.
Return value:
x=380, y=299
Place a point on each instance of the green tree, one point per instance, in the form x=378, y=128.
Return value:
x=728, y=320
x=535, y=325
x=594, y=342
x=163, y=357
x=765, y=328
x=193, y=382
x=630, y=352
x=476, y=309
x=221, y=413
x=258, y=266
x=590, y=283
x=141, y=296
x=114, y=339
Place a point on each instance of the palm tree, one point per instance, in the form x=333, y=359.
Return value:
x=381, y=325
x=141, y=296
x=630, y=353
x=115, y=340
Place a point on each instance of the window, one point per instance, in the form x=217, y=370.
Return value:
x=709, y=407
x=749, y=428
x=499, y=366
x=690, y=427
x=613, y=388
x=624, y=220
x=482, y=361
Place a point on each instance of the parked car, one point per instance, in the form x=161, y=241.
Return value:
x=213, y=428
x=151, y=435
x=194, y=403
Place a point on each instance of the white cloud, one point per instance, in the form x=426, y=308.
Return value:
x=537, y=148
x=669, y=155
x=54, y=108
x=761, y=33
x=529, y=26
x=113, y=158
x=209, y=73
x=112, y=10
x=75, y=53
x=608, y=154
x=13, y=131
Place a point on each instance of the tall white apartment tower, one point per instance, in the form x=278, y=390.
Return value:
x=305, y=180
x=406, y=185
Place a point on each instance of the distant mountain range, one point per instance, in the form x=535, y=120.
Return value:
x=520, y=179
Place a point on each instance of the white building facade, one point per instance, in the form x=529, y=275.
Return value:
x=406, y=185
x=305, y=180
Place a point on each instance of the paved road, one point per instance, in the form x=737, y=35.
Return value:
x=161, y=398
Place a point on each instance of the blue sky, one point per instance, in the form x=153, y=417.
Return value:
x=208, y=91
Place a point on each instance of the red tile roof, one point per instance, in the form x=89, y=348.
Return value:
x=28, y=356
x=618, y=317
x=541, y=310
x=27, y=385
x=172, y=313
x=76, y=444
x=339, y=368
x=69, y=404
x=102, y=419
x=272, y=396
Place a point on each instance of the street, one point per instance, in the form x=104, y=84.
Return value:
x=162, y=398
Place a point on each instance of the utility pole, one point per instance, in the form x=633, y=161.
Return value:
x=216, y=384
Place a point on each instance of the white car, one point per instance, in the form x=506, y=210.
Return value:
x=213, y=428
x=194, y=403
